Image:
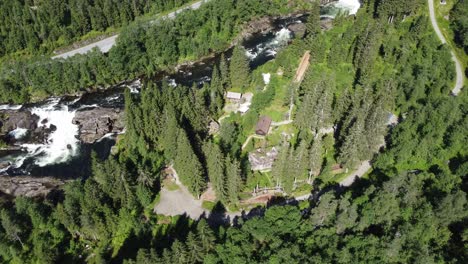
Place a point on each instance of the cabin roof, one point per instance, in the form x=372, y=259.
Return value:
x=263, y=125
x=233, y=95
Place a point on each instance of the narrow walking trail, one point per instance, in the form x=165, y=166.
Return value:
x=458, y=65
x=250, y=138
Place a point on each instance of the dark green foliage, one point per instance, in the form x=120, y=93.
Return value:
x=411, y=209
x=216, y=169
x=392, y=222
x=43, y=25
x=459, y=23
x=239, y=69
x=395, y=10
x=142, y=48
x=233, y=179
x=316, y=94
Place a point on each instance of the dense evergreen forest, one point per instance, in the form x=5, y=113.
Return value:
x=412, y=207
x=141, y=49
x=460, y=23
x=39, y=26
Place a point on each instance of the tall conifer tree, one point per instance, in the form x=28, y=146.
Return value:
x=239, y=68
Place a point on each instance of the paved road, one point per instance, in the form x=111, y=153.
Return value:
x=106, y=44
x=459, y=79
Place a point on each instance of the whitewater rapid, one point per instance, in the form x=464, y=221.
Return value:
x=270, y=48
x=61, y=144
x=331, y=10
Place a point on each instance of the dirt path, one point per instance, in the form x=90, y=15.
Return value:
x=459, y=79
x=282, y=123
x=358, y=173
x=106, y=44
x=250, y=138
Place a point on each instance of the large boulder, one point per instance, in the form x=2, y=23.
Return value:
x=97, y=122
x=298, y=29
x=13, y=119
x=28, y=186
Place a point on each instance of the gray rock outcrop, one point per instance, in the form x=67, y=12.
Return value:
x=13, y=119
x=97, y=122
x=28, y=186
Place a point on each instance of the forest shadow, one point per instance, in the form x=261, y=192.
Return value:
x=160, y=240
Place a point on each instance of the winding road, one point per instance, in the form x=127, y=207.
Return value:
x=106, y=44
x=458, y=66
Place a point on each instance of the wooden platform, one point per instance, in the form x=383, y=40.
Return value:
x=303, y=66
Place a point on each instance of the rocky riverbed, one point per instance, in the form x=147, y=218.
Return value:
x=46, y=142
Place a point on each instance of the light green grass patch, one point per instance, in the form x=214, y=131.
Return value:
x=260, y=178
x=171, y=186
x=208, y=205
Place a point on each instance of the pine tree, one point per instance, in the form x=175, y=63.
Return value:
x=349, y=154
x=303, y=116
x=216, y=92
x=375, y=127
x=187, y=165
x=216, y=167
x=282, y=168
x=205, y=235
x=323, y=104
x=301, y=159
x=315, y=110
x=195, y=254
x=179, y=253
x=313, y=21
x=195, y=111
x=224, y=72
x=12, y=229
x=168, y=138
x=279, y=166
x=239, y=68
x=233, y=181
x=315, y=157
x=288, y=176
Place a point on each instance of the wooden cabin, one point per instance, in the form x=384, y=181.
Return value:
x=233, y=97
x=263, y=126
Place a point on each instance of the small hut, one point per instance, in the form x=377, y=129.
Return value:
x=263, y=126
x=233, y=97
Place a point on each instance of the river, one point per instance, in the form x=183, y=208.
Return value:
x=61, y=153
x=52, y=143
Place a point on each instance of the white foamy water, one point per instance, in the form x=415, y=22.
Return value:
x=88, y=106
x=18, y=133
x=271, y=47
x=135, y=86
x=108, y=135
x=10, y=107
x=61, y=143
x=349, y=6
x=171, y=82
